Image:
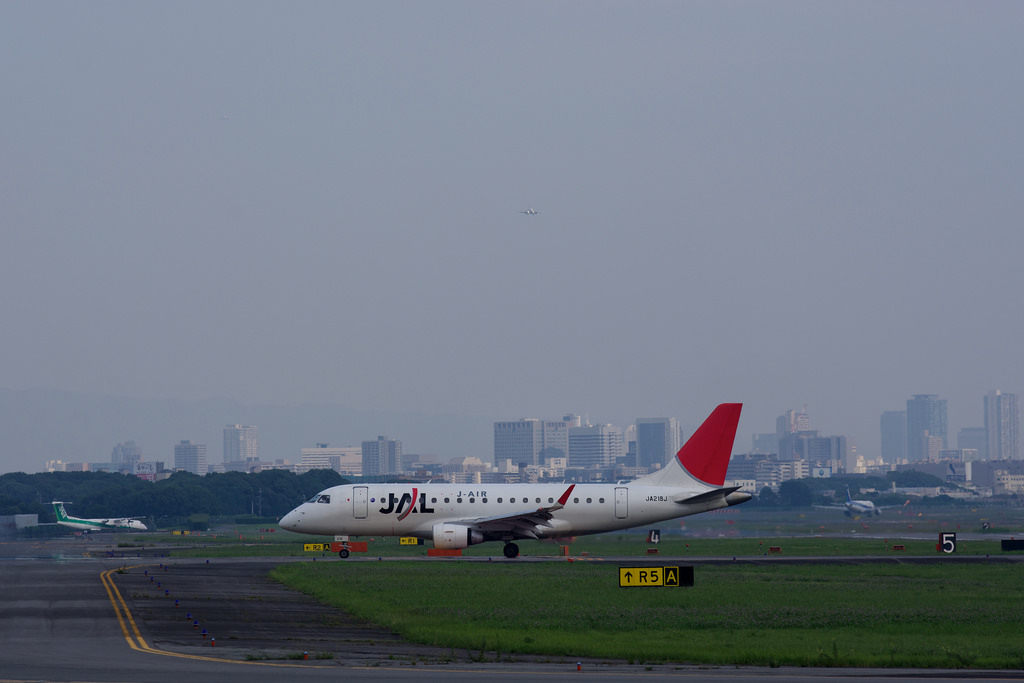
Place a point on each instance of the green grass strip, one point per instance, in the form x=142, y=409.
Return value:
x=868, y=615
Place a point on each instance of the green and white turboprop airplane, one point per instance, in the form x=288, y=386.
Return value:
x=87, y=525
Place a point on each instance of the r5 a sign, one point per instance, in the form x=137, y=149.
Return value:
x=947, y=542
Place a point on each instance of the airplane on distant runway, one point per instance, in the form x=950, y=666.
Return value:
x=530, y=212
x=858, y=507
x=98, y=524
x=455, y=516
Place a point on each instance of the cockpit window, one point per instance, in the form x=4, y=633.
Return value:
x=320, y=498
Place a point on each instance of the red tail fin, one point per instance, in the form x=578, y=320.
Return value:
x=706, y=454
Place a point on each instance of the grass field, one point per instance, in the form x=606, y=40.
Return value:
x=887, y=615
x=845, y=614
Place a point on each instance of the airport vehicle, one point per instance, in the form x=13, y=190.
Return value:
x=97, y=524
x=455, y=516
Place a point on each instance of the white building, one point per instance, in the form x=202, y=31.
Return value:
x=345, y=460
x=242, y=446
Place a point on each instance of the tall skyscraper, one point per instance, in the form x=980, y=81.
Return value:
x=791, y=422
x=190, y=457
x=657, y=440
x=381, y=457
x=1002, y=426
x=789, y=428
x=894, y=436
x=530, y=441
x=242, y=444
x=126, y=453
x=926, y=419
x=595, y=446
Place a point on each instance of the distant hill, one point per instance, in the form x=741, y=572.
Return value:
x=45, y=424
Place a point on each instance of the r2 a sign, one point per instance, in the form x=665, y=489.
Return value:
x=947, y=542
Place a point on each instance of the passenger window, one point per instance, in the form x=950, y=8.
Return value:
x=600, y=500
x=538, y=500
x=575, y=500
x=588, y=500
x=458, y=500
x=472, y=500
x=499, y=500
x=511, y=500
x=433, y=500
x=447, y=500
x=551, y=500
x=483, y=500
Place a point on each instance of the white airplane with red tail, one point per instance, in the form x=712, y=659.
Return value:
x=456, y=516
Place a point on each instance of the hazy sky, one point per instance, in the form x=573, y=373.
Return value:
x=780, y=203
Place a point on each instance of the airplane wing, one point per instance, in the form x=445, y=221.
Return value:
x=521, y=524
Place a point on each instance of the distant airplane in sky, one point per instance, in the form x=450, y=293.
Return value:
x=455, y=516
x=98, y=524
x=530, y=212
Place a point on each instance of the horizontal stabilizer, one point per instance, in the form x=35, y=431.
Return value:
x=707, y=495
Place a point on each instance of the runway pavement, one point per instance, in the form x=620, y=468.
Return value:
x=80, y=610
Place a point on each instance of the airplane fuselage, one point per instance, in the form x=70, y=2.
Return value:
x=416, y=509
x=862, y=507
x=97, y=524
x=456, y=516
x=101, y=524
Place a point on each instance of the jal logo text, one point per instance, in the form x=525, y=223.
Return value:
x=404, y=506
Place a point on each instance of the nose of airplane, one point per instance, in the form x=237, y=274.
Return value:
x=291, y=520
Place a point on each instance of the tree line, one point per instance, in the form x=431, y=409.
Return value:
x=270, y=494
x=264, y=495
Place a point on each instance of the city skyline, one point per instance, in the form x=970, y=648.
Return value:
x=553, y=429
x=777, y=204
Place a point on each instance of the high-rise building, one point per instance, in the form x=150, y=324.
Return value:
x=1002, y=426
x=554, y=438
x=126, y=453
x=789, y=427
x=530, y=441
x=973, y=439
x=926, y=418
x=242, y=444
x=595, y=446
x=894, y=436
x=818, y=451
x=765, y=443
x=931, y=447
x=381, y=457
x=791, y=422
x=190, y=457
x=657, y=440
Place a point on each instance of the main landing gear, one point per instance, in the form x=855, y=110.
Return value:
x=511, y=550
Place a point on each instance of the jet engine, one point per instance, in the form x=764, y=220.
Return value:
x=455, y=536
